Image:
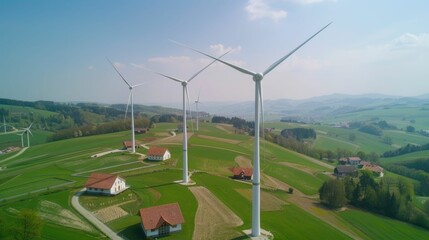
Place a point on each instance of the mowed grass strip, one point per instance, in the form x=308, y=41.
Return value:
x=294, y=223
x=30, y=186
x=380, y=227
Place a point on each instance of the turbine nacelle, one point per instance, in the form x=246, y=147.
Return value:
x=258, y=77
x=184, y=83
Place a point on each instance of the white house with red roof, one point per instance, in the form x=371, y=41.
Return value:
x=103, y=183
x=161, y=220
x=158, y=154
x=242, y=173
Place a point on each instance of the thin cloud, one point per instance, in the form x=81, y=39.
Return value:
x=409, y=40
x=169, y=59
x=259, y=9
x=136, y=65
x=219, y=49
x=90, y=68
x=306, y=2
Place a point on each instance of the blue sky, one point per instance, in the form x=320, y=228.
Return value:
x=56, y=50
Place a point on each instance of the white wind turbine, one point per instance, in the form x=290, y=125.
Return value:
x=257, y=78
x=5, y=125
x=130, y=100
x=184, y=84
x=196, y=108
x=27, y=131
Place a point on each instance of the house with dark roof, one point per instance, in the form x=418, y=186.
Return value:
x=129, y=144
x=161, y=220
x=242, y=173
x=158, y=154
x=102, y=183
x=345, y=170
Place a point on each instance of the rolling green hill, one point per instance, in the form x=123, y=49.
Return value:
x=56, y=170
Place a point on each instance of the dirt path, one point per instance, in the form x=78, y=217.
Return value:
x=14, y=156
x=225, y=127
x=243, y=162
x=213, y=219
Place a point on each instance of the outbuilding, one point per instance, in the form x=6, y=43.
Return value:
x=242, y=173
x=158, y=154
x=158, y=221
x=103, y=183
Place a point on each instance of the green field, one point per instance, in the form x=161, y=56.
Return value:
x=69, y=162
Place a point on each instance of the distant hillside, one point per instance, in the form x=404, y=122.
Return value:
x=319, y=109
x=54, y=116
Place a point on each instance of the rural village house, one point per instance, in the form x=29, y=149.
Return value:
x=374, y=168
x=242, y=173
x=350, y=161
x=129, y=144
x=161, y=220
x=345, y=170
x=158, y=154
x=102, y=183
x=140, y=130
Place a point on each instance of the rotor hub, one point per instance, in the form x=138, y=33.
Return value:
x=258, y=77
x=184, y=83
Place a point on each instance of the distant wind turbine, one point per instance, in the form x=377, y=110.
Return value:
x=27, y=131
x=196, y=108
x=184, y=84
x=5, y=125
x=130, y=100
x=257, y=78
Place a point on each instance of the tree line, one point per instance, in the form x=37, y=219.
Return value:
x=409, y=148
x=392, y=197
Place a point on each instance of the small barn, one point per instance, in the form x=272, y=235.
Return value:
x=354, y=160
x=140, y=130
x=345, y=170
x=103, y=183
x=129, y=144
x=158, y=221
x=242, y=173
x=158, y=154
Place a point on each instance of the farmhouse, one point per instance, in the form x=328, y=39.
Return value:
x=129, y=144
x=354, y=160
x=242, y=173
x=161, y=220
x=345, y=170
x=102, y=183
x=377, y=170
x=158, y=154
x=140, y=130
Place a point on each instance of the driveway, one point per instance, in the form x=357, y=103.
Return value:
x=90, y=217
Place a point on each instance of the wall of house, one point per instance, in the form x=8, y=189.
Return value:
x=118, y=186
x=98, y=190
x=178, y=227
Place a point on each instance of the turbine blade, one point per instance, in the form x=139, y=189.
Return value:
x=196, y=74
x=275, y=64
x=167, y=76
x=243, y=70
x=119, y=73
x=128, y=104
x=189, y=108
x=199, y=93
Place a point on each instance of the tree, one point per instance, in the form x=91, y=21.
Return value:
x=352, y=137
x=411, y=129
x=29, y=225
x=426, y=207
x=332, y=193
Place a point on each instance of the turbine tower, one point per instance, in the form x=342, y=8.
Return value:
x=22, y=138
x=184, y=84
x=196, y=108
x=130, y=100
x=257, y=78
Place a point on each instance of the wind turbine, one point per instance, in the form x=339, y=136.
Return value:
x=27, y=131
x=5, y=125
x=184, y=84
x=257, y=78
x=130, y=100
x=196, y=108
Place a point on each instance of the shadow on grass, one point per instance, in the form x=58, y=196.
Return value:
x=133, y=232
x=242, y=237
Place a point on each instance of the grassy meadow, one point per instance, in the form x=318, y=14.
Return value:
x=212, y=151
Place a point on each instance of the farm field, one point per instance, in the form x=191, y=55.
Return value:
x=212, y=151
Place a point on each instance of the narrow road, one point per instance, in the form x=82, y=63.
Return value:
x=90, y=217
x=14, y=156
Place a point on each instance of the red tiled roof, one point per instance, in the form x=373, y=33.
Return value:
x=101, y=180
x=128, y=144
x=156, y=151
x=354, y=159
x=374, y=168
x=154, y=217
x=248, y=172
